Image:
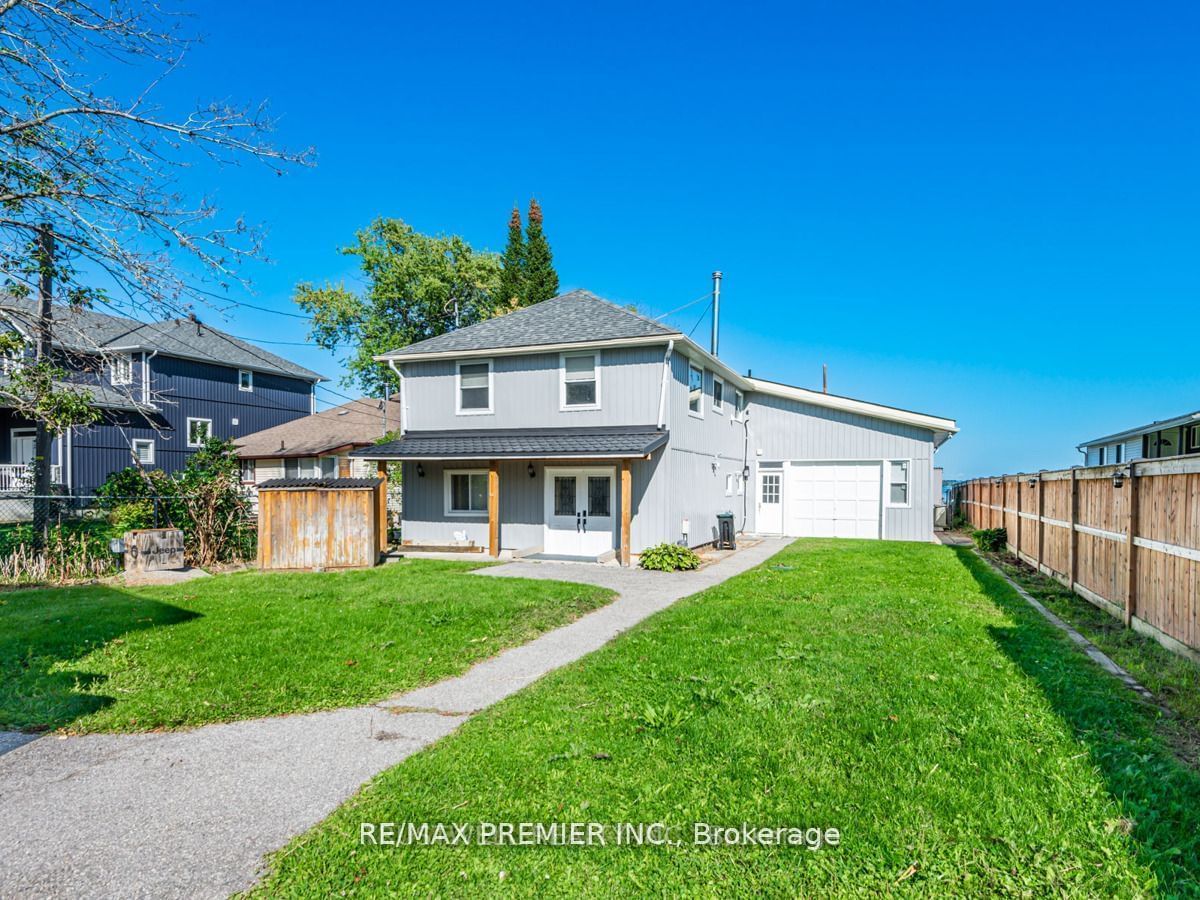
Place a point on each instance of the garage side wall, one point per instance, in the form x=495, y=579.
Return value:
x=783, y=429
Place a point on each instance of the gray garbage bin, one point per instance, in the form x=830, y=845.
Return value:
x=725, y=539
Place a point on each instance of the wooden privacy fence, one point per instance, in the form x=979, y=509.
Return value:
x=321, y=523
x=1124, y=537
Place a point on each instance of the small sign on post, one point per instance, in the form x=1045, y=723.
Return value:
x=153, y=549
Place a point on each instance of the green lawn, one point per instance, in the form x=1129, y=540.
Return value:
x=899, y=693
x=100, y=658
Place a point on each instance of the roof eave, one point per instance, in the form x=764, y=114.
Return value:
x=516, y=350
x=935, y=424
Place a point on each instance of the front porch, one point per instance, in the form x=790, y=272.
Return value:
x=530, y=496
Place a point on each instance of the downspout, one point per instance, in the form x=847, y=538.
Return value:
x=662, y=391
x=745, y=466
x=399, y=391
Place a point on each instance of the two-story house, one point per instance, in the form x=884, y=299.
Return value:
x=1177, y=436
x=577, y=428
x=161, y=388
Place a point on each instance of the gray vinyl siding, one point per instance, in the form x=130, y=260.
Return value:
x=525, y=392
x=1132, y=449
x=782, y=429
x=701, y=453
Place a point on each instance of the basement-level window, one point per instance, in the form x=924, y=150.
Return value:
x=898, y=482
x=466, y=492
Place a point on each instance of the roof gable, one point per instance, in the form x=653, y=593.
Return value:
x=573, y=317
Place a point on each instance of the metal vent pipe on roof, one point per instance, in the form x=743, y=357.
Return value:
x=716, y=312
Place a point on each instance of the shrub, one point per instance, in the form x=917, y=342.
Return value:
x=668, y=558
x=993, y=540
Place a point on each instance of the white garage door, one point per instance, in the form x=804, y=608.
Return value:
x=833, y=499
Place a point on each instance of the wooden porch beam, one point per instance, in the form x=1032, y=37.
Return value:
x=493, y=508
x=626, y=510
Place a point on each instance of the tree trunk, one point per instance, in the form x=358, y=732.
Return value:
x=43, y=437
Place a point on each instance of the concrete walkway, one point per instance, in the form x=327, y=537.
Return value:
x=191, y=813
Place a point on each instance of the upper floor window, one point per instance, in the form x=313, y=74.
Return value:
x=474, y=388
x=245, y=380
x=198, y=431
x=1119, y=453
x=1102, y=456
x=739, y=405
x=580, y=381
x=695, y=390
x=718, y=404
x=249, y=470
x=1193, y=441
x=121, y=369
x=898, y=482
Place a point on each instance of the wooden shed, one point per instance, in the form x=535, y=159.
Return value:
x=321, y=523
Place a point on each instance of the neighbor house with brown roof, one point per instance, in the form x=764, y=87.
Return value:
x=317, y=445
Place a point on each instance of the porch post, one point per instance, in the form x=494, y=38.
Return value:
x=381, y=507
x=626, y=509
x=494, y=508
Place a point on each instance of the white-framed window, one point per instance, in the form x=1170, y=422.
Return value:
x=310, y=467
x=739, y=405
x=245, y=380
x=1102, y=456
x=143, y=451
x=730, y=484
x=466, y=492
x=249, y=471
x=473, y=394
x=898, y=482
x=121, y=369
x=579, y=381
x=695, y=390
x=1119, y=453
x=198, y=431
x=718, y=403
x=741, y=484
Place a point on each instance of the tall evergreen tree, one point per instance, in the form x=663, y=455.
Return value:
x=512, y=275
x=541, y=281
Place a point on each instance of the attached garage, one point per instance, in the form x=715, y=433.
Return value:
x=822, y=498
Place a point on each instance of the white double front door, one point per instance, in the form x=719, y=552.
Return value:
x=579, y=511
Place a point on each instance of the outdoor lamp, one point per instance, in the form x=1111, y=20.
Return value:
x=420, y=471
x=531, y=470
x=1118, y=478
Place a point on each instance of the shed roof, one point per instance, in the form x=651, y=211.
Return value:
x=574, y=317
x=90, y=331
x=610, y=442
x=323, y=484
x=354, y=424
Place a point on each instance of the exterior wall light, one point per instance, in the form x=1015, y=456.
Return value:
x=531, y=470
x=420, y=471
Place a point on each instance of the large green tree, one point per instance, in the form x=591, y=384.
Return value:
x=417, y=286
x=512, y=272
x=541, y=281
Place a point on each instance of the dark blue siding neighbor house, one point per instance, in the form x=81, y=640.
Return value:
x=161, y=389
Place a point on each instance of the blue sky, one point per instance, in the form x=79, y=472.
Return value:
x=986, y=211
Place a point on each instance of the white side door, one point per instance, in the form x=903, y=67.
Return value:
x=579, y=512
x=769, y=506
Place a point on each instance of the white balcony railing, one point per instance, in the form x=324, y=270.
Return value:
x=19, y=478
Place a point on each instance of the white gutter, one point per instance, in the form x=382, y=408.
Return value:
x=523, y=349
x=662, y=391
x=399, y=390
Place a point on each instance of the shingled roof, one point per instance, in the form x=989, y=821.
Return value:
x=522, y=443
x=358, y=423
x=91, y=331
x=573, y=317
